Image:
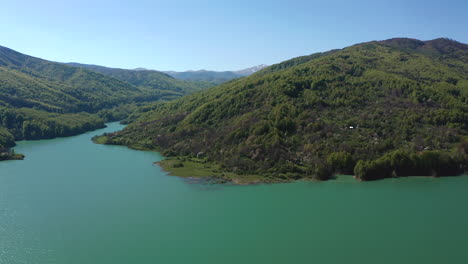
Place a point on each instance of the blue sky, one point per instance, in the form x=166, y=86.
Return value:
x=215, y=35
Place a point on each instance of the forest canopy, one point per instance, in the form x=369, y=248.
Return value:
x=344, y=111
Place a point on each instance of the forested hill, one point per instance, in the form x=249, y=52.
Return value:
x=44, y=99
x=149, y=79
x=26, y=81
x=378, y=109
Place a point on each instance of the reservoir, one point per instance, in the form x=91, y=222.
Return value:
x=71, y=201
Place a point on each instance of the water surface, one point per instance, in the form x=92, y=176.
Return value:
x=72, y=201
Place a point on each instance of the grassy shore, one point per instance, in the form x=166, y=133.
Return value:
x=7, y=156
x=202, y=169
x=100, y=139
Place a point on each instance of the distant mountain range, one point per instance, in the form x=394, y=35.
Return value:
x=216, y=77
x=143, y=76
x=147, y=79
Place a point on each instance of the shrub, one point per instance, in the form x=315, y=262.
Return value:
x=323, y=171
x=178, y=165
x=341, y=162
x=373, y=170
x=400, y=163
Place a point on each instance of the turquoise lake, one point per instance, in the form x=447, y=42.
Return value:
x=72, y=201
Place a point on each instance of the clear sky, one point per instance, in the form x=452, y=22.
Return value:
x=215, y=35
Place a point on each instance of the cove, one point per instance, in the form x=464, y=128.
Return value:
x=72, y=201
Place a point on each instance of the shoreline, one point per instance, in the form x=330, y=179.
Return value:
x=201, y=171
x=22, y=156
x=4, y=157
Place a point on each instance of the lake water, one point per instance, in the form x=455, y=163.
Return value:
x=72, y=201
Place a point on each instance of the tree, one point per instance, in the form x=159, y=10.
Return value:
x=341, y=162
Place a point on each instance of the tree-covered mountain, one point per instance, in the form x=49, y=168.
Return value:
x=27, y=81
x=216, y=77
x=44, y=99
x=378, y=109
x=35, y=94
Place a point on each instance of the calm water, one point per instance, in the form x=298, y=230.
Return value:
x=72, y=201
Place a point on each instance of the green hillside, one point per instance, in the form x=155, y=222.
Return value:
x=377, y=109
x=43, y=99
x=26, y=81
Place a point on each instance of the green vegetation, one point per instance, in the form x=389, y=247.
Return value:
x=7, y=141
x=6, y=138
x=380, y=109
x=26, y=123
x=402, y=164
x=30, y=82
x=100, y=139
x=41, y=99
x=206, y=171
x=55, y=87
x=10, y=155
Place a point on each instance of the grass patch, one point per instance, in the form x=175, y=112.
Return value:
x=200, y=168
x=100, y=139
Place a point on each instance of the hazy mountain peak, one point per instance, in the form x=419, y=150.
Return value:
x=216, y=77
x=251, y=70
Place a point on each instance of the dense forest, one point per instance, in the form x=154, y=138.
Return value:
x=42, y=99
x=378, y=109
